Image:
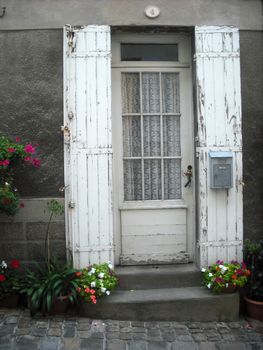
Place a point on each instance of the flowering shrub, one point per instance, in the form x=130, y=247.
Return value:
x=96, y=281
x=10, y=154
x=9, y=278
x=223, y=275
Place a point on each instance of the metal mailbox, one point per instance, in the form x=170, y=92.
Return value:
x=221, y=169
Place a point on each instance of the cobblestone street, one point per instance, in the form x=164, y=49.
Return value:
x=19, y=331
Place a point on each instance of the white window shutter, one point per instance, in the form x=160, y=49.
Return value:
x=88, y=144
x=218, y=129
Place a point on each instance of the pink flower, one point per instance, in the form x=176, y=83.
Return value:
x=5, y=162
x=17, y=139
x=28, y=159
x=36, y=162
x=11, y=149
x=29, y=149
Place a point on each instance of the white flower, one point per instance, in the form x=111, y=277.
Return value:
x=210, y=274
x=223, y=271
x=92, y=271
x=208, y=285
x=101, y=275
x=3, y=264
x=226, y=285
x=221, y=266
x=108, y=292
x=110, y=266
x=93, y=284
x=203, y=269
x=103, y=289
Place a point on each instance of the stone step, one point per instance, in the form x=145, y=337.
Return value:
x=166, y=304
x=158, y=276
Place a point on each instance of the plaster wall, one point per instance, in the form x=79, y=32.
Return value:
x=39, y=14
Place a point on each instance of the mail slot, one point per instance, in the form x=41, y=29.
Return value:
x=221, y=169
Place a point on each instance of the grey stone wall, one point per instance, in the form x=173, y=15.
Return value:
x=252, y=111
x=31, y=103
x=23, y=237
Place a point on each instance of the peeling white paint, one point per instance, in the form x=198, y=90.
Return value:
x=88, y=144
x=219, y=129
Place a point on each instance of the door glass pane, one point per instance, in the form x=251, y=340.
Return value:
x=172, y=179
x=130, y=92
x=149, y=52
x=152, y=179
x=171, y=136
x=170, y=93
x=132, y=179
x=150, y=93
x=151, y=136
x=131, y=128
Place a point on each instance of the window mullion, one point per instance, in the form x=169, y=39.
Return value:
x=161, y=135
x=142, y=143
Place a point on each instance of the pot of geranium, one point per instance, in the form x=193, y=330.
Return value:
x=50, y=289
x=10, y=283
x=13, y=153
x=253, y=293
x=96, y=281
x=225, y=277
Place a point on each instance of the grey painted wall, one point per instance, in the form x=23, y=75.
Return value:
x=252, y=111
x=29, y=14
x=31, y=103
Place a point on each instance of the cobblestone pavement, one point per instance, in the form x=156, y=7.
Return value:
x=19, y=331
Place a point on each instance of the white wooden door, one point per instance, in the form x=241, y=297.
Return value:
x=153, y=148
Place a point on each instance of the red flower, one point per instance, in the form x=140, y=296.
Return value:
x=78, y=273
x=2, y=278
x=6, y=201
x=18, y=139
x=36, y=162
x=29, y=149
x=234, y=277
x=11, y=149
x=22, y=205
x=15, y=264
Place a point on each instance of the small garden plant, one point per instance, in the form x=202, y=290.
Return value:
x=96, y=281
x=12, y=153
x=220, y=275
x=10, y=278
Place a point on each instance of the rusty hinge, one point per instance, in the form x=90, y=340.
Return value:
x=71, y=38
x=71, y=205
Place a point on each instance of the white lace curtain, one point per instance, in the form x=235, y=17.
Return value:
x=151, y=136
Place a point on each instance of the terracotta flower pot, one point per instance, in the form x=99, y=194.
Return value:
x=254, y=309
x=10, y=301
x=60, y=305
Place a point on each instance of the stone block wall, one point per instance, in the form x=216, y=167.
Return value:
x=23, y=237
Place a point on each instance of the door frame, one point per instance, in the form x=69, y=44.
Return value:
x=184, y=65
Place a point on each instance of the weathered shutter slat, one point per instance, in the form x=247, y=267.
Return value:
x=219, y=129
x=88, y=175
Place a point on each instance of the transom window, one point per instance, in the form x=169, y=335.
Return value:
x=151, y=136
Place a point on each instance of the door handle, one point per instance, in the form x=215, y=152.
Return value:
x=189, y=174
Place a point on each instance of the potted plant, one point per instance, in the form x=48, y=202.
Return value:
x=253, y=253
x=11, y=153
x=225, y=277
x=96, y=281
x=50, y=289
x=10, y=283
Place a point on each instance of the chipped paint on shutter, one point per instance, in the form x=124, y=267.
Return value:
x=88, y=144
x=219, y=129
